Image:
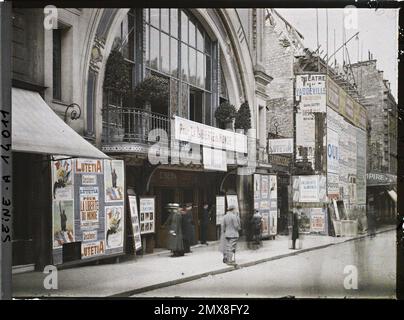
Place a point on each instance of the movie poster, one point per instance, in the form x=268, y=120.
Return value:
x=89, y=207
x=147, y=215
x=135, y=222
x=63, y=223
x=114, y=221
x=114, y=180
x=62, y=179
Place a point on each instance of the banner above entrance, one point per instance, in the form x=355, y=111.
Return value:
x=202, y=134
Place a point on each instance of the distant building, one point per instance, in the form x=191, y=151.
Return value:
x=382, y=154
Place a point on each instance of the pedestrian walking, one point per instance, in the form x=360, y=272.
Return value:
x=188, y=228
x=204, y=223
x=230, y=234
x=175, y=241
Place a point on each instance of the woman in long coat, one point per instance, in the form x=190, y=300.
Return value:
x=175, y=235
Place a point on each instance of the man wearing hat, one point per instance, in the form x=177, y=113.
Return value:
x=230, y=232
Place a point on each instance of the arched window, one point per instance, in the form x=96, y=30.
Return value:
x=178, y=48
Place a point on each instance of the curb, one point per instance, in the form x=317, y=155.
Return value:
x=129, y=293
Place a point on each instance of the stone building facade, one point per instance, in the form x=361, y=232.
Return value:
x=382, y=111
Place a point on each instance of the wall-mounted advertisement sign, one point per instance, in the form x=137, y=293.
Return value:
x=280, y=146
x=305, y=137
x=135, y=222
x=317, y=220
x=309, y=187
x=202, y=134
x=147, y=215
x=345, y=105
x=311, y=92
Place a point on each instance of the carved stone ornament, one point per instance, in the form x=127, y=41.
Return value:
x=97, y=52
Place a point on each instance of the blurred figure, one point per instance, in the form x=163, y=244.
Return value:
x=188, y=228
x=175, y=237
x=371, y=218
x=256, y=229
x=204, y=222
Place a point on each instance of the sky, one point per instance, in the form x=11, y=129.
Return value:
x=378, y=33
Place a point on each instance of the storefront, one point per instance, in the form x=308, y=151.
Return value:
x=382, y=196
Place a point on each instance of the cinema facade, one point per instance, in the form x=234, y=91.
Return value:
x=126, y=159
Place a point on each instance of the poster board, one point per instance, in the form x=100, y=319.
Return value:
x=266, y=201
x=134, y=217
x=81, y=212
x=147, y=215
x=220, y=209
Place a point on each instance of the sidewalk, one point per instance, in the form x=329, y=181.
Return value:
x=160, y=270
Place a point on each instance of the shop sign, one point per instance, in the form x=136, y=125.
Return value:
x=280, y=146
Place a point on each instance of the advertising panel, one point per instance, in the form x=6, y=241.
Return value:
x=86, y=218
x=147, y=215
x=114, y=218
x=114, y=180
x=280, y=146
x=135, y=222
x=311, y=92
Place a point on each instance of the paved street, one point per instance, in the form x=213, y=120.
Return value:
x=318, y=273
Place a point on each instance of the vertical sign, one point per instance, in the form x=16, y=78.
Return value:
x=6, y=164
x=310, y=92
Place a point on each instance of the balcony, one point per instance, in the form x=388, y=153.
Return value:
x=127, y=129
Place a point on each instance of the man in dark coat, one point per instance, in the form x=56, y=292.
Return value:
x=295, y=228
x=188, y=228
x=204, y=221
x=175, y=236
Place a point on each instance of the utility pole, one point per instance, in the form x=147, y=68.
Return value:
x=6, y=160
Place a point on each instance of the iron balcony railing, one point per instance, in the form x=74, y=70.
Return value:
x=131, y=124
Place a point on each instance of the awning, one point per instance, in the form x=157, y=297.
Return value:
x=37, y=129
x=380, y=179
x=393, y=195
